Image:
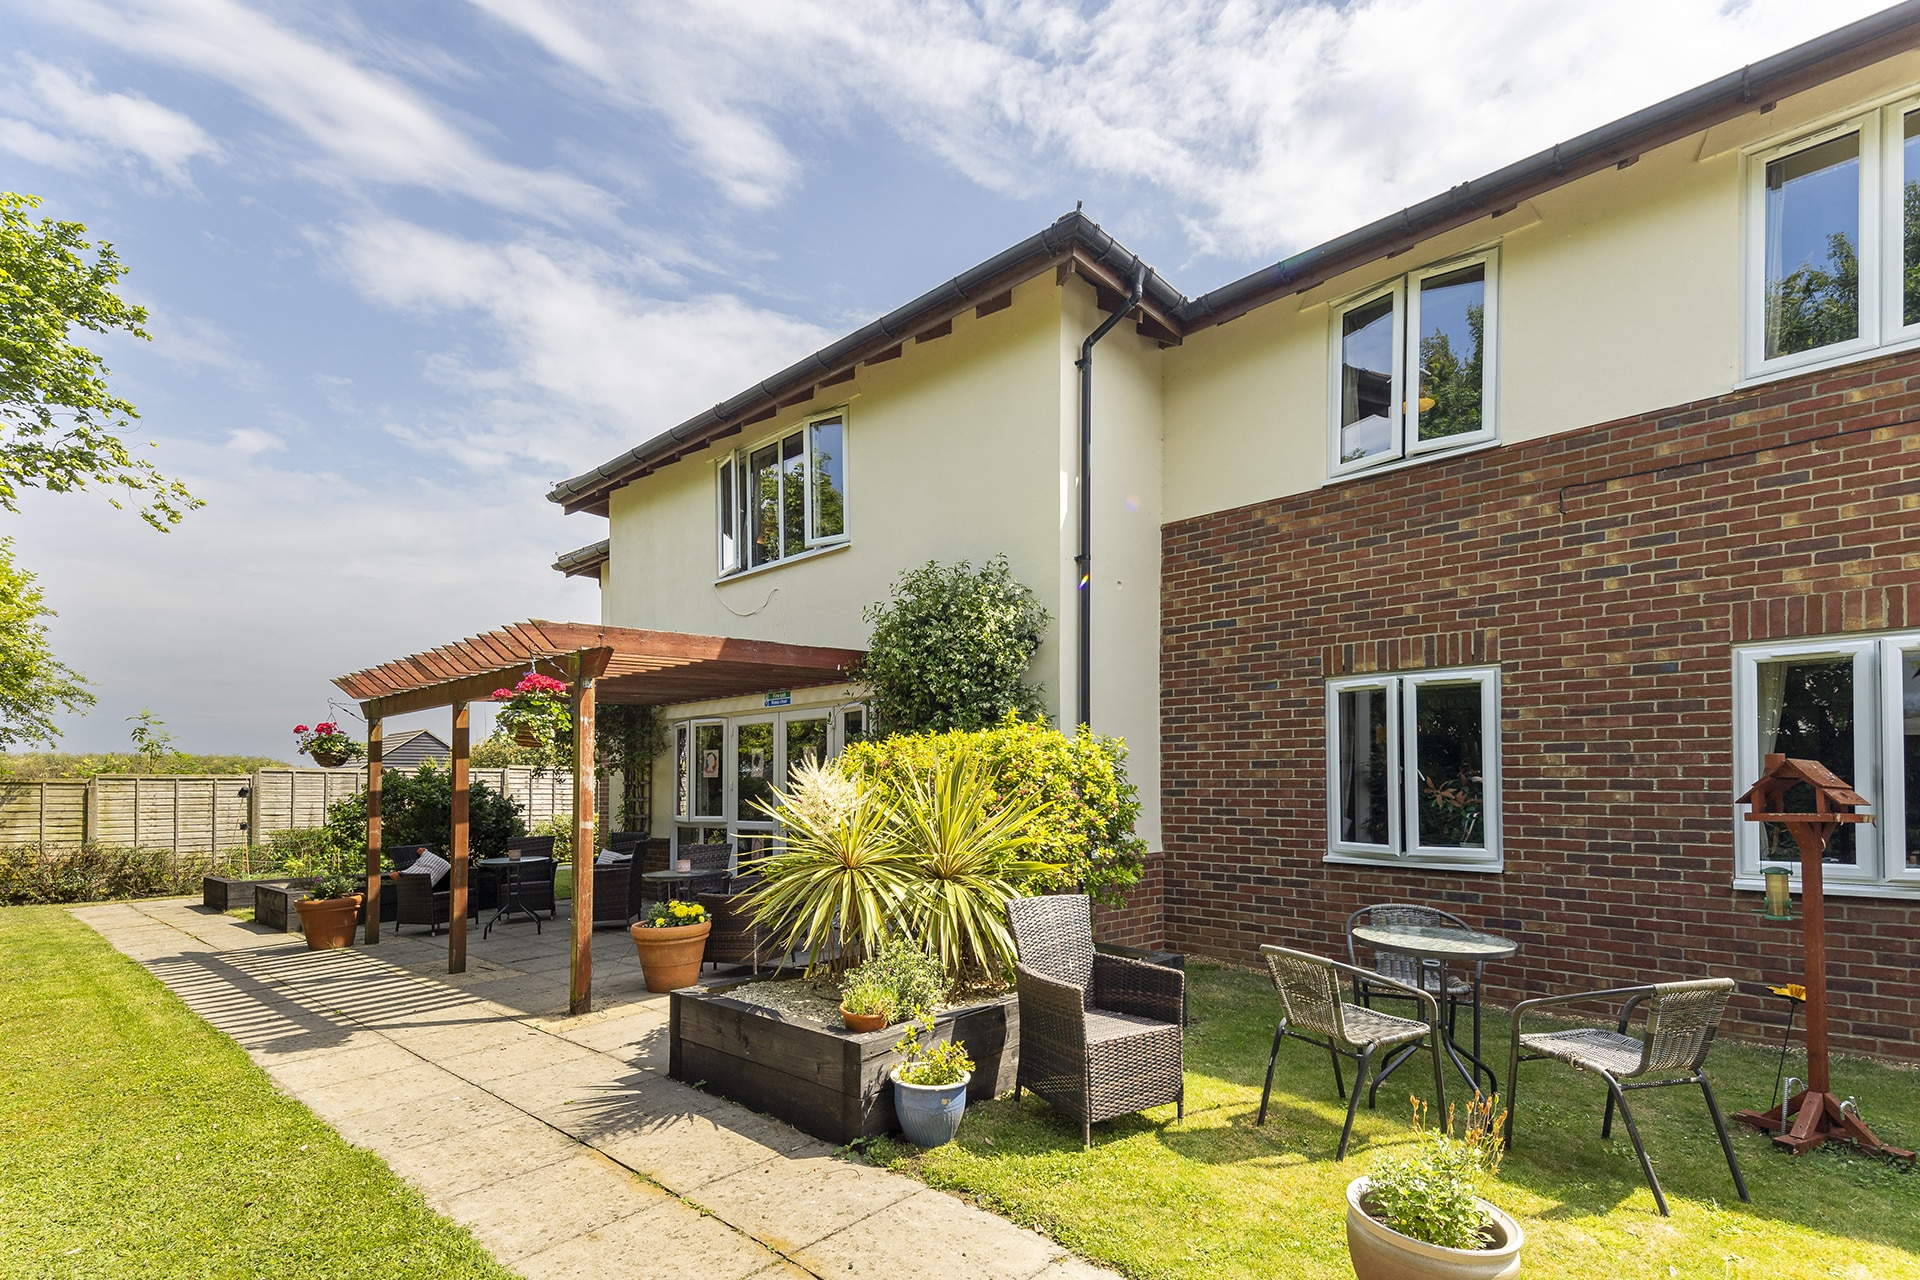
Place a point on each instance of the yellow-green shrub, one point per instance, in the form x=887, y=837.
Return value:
x=1088, y=808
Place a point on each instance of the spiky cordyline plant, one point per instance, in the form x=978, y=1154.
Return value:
x=841, y=873
x=969, y=862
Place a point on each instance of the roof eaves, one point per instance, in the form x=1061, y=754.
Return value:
x=1847, y=49
x=1019, y=262
x=584, y=561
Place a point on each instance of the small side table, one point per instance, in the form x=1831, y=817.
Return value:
x=510, y=895
x=1443, y=945
x=673, y=883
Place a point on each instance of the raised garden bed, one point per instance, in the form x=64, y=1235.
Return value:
x=822, y=1079
x=229, y=893
x=273, y=906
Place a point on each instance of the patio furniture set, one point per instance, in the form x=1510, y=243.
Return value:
x=1100, y=1035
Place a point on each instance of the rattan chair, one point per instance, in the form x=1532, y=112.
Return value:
x=1681, y=1020
x=1099, y=1034
x=1409, y=970
x=536, y=879
x=736, y=937
x=1310, y=991
x=712, y=866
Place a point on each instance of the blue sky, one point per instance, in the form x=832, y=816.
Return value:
x=410, y=263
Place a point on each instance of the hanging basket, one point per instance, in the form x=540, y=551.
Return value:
x=524, y=736
x=328, y=759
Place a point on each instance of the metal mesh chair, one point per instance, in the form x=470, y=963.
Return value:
x=1099, y=1034
x=1310, y=991
x=1409, y=971
x=1680, y=1024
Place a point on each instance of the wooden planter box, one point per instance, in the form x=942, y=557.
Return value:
x=823, y=1080
x=229, y=893
x=273, y=906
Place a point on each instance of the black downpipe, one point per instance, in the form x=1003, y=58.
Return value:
x=1084, y=560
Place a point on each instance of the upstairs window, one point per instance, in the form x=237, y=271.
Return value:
x=1413, y=768
x=1413, y=366
x=1834, y=242
x=784, y=496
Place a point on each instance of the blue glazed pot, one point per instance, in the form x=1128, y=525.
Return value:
x=929, y=1114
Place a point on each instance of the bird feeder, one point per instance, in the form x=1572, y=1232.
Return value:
x=1813, y=1115
x=1779, y=900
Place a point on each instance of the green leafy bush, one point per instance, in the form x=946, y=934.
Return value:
x=1429, y=1192
x=1086, y=807
x=950, y=648
x=30, y=874
x=900, y=981
x=333, y=869
x=418, y=809
x=943, y=1063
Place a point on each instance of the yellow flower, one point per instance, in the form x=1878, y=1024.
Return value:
x=1792, y=991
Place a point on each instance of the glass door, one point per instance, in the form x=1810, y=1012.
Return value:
x=803, y=739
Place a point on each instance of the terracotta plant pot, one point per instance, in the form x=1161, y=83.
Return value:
x=861, y=1023
x=1381, y=1253
x=671, y=957
x=328, y=922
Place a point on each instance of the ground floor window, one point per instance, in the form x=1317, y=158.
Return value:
x=1413, y=768
x=728, y=768
x=1853, y=704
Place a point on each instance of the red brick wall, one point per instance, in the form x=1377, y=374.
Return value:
x=1608, y=571
x=1140, y=922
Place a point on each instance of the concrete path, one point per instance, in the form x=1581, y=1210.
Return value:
x=560, y=1142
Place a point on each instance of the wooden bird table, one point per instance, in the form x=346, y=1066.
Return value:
x=1813, y=1115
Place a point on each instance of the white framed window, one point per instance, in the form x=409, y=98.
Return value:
x=1413, y=768
x=1833, y=241
x=1852, y=703
x=700, y=784
x=1413, y=365
x=725, y=768
x=783, y=496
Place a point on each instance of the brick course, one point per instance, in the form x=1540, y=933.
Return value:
x=1608, y=571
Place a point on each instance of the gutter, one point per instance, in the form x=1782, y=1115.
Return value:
x=1085, y=559
x=1618, y=144
x=974, y=285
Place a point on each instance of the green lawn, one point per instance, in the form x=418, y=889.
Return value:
x=135, y=1140
x=1214, y=1198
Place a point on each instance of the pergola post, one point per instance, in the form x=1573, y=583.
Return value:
x=457, y=902
x=586, y=668
x=374, y=778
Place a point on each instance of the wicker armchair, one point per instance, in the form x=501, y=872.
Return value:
x=612, y=893
x=1681, y=1020
x=416, y=899
x=735, y=938
x=1409, y=971
x=1099, y=1035
x=712, y=866
x=1310, y=994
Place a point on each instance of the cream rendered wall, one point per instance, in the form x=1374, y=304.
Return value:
x=1619, y=294
x=1125, y=586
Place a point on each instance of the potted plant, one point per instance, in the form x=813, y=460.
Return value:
x=900, y=981
x=1418, y=1216
x=930, y=1086
x=535, y=712
x=672, y=941
x=335, y=879
x=328, y=747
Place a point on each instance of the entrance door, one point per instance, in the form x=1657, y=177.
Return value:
x=804, y=738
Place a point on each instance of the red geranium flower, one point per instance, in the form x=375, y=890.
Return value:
x=299, y=728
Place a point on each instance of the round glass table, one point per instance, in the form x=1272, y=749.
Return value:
x=1436, y=947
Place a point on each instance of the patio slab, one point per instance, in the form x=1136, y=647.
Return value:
x=559, y=1141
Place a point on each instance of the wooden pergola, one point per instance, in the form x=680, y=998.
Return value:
x=621, y=665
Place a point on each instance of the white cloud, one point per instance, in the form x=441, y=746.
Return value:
x=1265, y=125
x=366, y=126
x=592, y=364
x=94, y=126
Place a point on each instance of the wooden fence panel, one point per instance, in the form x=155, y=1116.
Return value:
x=43, y=812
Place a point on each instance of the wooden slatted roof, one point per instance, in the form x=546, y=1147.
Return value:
x=637, y=666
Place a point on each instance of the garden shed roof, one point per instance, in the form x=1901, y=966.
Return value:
x=631, y=665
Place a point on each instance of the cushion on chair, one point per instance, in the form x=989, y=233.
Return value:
x=1591, y=1048
x=429, y=864
x=609, y=858
x=1103, y=1026
x=1382, y=1029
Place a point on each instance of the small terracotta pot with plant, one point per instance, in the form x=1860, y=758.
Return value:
x=902, y=981
x=1418, y=1215
x=672, y=941
x=326, y=745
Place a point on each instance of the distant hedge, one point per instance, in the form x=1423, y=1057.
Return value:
x=31, y=875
